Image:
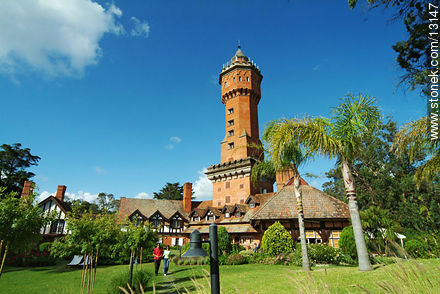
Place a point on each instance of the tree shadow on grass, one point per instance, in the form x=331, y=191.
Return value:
x=175, y=285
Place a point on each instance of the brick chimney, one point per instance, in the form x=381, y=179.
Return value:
x=27, y=189
x=60, y=192
x=282, y=177
x=187, y=195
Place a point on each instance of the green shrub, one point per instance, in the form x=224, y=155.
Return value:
x=185, y=248
x=277, y=240
x=297, y=256
x=140, y=277
x=236, y=248
x=347, y=243
x=235, y=259
x=257, y=257
x=324, y=254
x=283, y=258
x=45, y=246
x=319, y=254
x=224, y=241
x=247, y=253
x=416, y=249
x=222, y=259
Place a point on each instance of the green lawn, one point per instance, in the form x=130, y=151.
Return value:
x=251, y=278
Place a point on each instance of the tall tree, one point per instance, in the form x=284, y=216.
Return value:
x=14, y=160
x=414, y=54
x=340, y=137
x=20, y=223
x=284, y=155
x=107, y=202
x=171, y=191
x=386, y=180
x=414, y=138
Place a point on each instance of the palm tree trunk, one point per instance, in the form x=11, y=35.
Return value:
x=361, y=247
x=302, y=233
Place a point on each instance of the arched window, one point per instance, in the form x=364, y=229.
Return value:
x=247, y=79
x=239, y=79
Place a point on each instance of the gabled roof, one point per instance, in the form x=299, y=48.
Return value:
x=214, y=210
x=137, y=212
x=198, y=211
x=62, y=205
x=316, y=205
x=227, y=208
x=239, y=207
x=148, y=207
x=180, y=215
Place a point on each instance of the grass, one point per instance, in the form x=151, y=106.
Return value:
x=249, y=278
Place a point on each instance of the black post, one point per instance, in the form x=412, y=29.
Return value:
x=215, y=273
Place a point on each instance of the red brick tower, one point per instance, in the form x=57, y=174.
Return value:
x=240, y=81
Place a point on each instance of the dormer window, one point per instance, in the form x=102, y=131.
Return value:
x=227, y=215
x=156, y=220
x=238, y=214
x=176, y=221
x=252, y=205
x=196, y=218
x=210, y=216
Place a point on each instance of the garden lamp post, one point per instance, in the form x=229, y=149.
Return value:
x=195, y=250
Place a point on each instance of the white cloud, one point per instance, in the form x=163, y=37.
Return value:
x=43, y=196
x=316, y=67
x=203, y=187
x=58, y=38
x=141, y=28
x=89, y=197
x=175, y=139
x=100, y=170
x=173, y=142
x=81, y=195
x=143, y=195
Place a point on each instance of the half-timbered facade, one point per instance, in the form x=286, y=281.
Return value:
x=56, y=228
x=169, y=217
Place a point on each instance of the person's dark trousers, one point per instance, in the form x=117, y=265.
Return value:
x=166, y=264
x=156, y=266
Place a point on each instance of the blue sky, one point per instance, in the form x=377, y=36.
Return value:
x=122, y=97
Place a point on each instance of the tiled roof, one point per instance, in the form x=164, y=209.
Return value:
x=149, y=206
x=316, y=205
x=259, y=198
x=233, y=228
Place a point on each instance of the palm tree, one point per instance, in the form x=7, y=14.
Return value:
x=413, y=138
x=292, y=156
x=338, y=137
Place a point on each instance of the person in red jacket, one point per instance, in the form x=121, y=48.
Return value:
x=157, y=253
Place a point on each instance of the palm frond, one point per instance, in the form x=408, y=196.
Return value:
x=355, y=118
